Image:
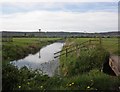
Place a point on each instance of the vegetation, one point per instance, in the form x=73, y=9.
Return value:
x=109, y=44
x=112, y=45
x=89, y=59
x=84, y=72
x=77, y=72
x=21, y=47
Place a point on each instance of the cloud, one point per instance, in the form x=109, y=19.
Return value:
x=59, y=1
x=60, y=21
x=63, y=16
x=8, y=8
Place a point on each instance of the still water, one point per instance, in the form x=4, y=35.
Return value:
x=46, y=62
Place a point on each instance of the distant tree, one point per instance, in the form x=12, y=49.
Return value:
x=25, y=34
x=31, y=35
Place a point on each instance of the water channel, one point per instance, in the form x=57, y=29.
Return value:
x=46, y=62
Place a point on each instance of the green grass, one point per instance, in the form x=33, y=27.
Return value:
x=88, y=59
x=21, y=47
x=110, y=44
x=14, y=79
x=94, y=80
x=81, y=72
x=27, y=41
x=24, y=79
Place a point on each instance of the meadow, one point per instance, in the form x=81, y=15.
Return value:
x=83, y=72
x=21, y=47
x=86, y=70
x=110, y=44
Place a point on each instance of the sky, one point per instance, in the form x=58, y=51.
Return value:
x=68, y=16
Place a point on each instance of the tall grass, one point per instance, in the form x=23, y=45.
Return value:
x=81, y=72
x=85, y=72
x=88, y=59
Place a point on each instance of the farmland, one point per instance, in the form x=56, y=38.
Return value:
x=110, y=44
x=83, y=72
x=21, y=47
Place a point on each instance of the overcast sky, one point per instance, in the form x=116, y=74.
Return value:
x=77, y=16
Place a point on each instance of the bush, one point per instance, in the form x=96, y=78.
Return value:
x=88, y=60
x=23, y=79
x=10, y=77
x=93, y=80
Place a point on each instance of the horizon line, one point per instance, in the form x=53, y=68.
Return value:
x=61, y=31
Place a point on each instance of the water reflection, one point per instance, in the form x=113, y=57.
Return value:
x=46, y=62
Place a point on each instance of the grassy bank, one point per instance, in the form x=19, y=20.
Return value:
x=83, y=72
x=25, y=79
x=110, y=44
x=21, y=47
x=89, y=59
x=12, y=78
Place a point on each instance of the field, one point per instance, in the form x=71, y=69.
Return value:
x=77, y=72
x=110, y=44
x=27, y=41
x=21, y=47
x=84, y=70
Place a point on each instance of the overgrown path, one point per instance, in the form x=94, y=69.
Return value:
x=114, y=63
